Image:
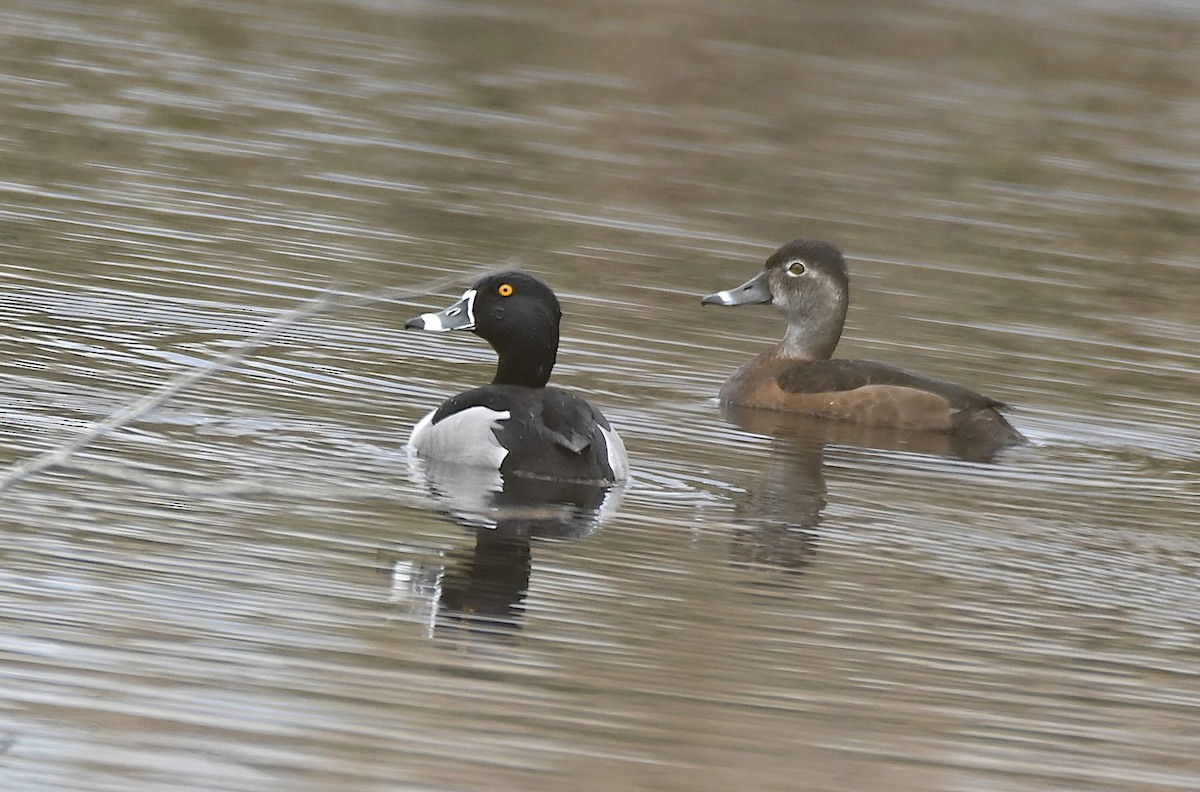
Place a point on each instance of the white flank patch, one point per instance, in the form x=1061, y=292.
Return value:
x=618, y=460
x=465, y=438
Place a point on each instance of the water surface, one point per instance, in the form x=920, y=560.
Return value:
x=250, y=587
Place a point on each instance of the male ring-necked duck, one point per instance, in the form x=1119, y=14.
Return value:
x=807, y=280
x=517, y=424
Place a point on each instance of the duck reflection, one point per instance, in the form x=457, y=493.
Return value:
x=781, y=509
x=482, y=587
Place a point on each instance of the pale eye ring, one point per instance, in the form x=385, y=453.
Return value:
x=795, y=269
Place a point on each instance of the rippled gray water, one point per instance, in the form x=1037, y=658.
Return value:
x=251, y=587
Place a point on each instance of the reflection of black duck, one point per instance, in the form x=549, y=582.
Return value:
x=808, y=280
x=485, y=585
x=523, y=507
x=487, y=582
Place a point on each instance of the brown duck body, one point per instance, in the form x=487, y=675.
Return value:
x=808, y=280
x=863, y=392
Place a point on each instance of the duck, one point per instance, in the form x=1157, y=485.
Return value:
x=517, y=424
x=807, y=279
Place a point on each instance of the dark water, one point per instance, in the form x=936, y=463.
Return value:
x=251, y=587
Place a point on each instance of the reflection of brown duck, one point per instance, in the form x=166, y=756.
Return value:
x=807, y=280
x=781, y=508
x=813, y=432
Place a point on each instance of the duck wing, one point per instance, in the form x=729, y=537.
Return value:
x=827, y=376
x=543, y=432
x=568, y=421
x=547, y=432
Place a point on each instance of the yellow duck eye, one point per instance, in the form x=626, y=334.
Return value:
x=505, y=290
x=796, y=268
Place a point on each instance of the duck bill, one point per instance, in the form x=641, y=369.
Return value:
x=460, y=316
x=755, y=291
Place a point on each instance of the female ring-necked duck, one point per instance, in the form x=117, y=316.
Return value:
x=517, y=424
x=807, y=280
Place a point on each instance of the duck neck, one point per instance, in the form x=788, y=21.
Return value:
x=813, y=336
x=529, y=370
